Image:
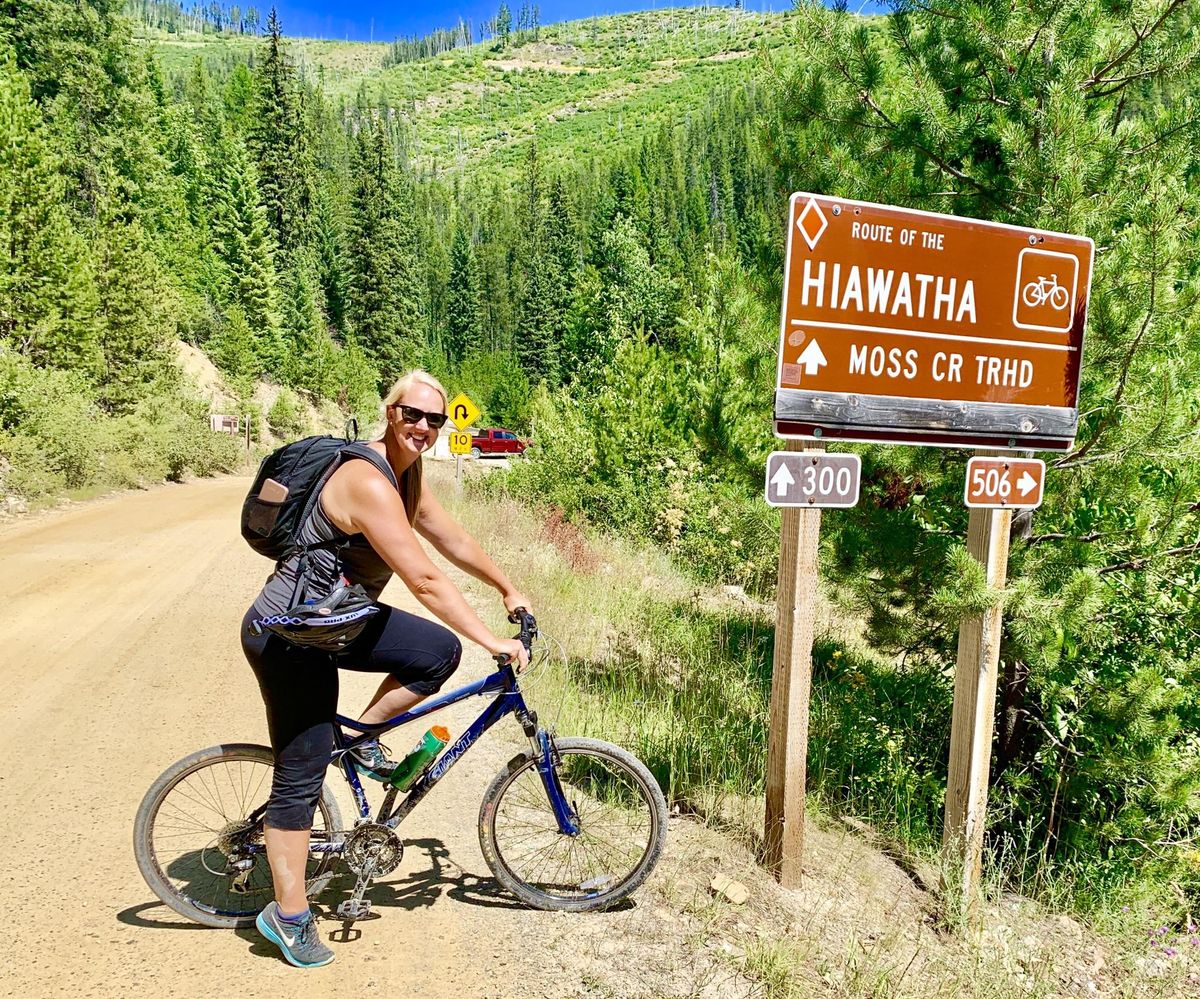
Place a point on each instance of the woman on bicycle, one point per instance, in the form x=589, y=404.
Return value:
x=377, y=506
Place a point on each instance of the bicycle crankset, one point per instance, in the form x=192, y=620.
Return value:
x=372, y=849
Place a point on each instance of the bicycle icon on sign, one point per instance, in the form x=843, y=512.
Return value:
x=1046, y=291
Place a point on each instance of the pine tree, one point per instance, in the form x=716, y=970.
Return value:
x=491, y=276
x=385, y=304
x=309, y=357
x=278, y=139
x=242, y=244
x=137, y=317
x=1044, y=116
x=96, y=98
x=462, y=304
x=47, y=298
x=331, y=262
x=542, y=284
x=503, y=24
x=232, y=350
x=238, y=98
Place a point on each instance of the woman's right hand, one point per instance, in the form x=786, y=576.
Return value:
x=512, y=648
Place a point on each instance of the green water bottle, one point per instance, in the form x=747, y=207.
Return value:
x=423, y=753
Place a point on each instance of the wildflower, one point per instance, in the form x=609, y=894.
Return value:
x=1169, y=951
x=837, y=653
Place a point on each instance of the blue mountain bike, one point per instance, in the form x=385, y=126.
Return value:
x=569, y=824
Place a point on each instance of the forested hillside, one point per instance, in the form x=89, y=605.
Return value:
x=582, y=227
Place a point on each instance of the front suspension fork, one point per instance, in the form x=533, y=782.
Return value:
x=547, y=766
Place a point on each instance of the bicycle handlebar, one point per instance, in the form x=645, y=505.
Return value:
x=526, y=635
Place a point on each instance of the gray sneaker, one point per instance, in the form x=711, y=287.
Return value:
x=300, y=942
x=371, y=760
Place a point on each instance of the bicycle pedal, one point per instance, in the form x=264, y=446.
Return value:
x=354, y=908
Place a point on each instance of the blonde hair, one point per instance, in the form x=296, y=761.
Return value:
x=411, y=478
x=410, y=378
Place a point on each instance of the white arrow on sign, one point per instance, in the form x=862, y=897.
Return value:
x=782, y=480
x=1026, y=483
x=811, y=358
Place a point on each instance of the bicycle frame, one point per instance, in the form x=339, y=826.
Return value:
x=509, y=701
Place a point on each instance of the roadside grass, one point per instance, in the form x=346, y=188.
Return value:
x=680, y=674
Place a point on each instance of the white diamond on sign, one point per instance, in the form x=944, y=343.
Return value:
x=812, y=223
x=816, y=480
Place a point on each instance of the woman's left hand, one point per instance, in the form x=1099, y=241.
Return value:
x=513, y=600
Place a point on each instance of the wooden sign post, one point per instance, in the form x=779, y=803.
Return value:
x=791, y=684
x=909, y=327
x=971, y=725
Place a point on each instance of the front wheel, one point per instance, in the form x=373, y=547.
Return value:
x=616, y=805
x=198, y=836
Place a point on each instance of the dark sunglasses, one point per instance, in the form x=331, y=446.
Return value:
x=411, y=414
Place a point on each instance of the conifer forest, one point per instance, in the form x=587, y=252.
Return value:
x=581, y=225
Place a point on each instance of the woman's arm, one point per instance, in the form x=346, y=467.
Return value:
x=459, y=548
x=357, y=499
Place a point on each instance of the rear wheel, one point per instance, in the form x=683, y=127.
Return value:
x=622, y=825
x=475, y=452
x=197, y=846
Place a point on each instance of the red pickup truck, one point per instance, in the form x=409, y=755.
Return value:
x=498, y=441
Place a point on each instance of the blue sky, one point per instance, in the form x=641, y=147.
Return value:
x=362, y=19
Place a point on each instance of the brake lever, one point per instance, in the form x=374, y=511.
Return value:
x=528, y=623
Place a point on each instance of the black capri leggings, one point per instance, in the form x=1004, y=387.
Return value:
x=300, y=689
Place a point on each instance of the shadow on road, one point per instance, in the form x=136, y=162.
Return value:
x=422, y=888
x=416, y=890
x=133, y=916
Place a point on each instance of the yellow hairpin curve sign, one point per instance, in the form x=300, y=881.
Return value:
x=462, y=412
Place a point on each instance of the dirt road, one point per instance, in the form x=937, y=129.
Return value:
x=119, y=656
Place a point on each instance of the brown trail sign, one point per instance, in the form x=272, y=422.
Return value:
x=916, y=328
x=997, y=483
x=913, y=328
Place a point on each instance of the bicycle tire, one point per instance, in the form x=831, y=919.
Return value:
x=576, y=760
x=152, y=835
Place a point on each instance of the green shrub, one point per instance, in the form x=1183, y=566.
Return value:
x=53, y=439
x=286, y=417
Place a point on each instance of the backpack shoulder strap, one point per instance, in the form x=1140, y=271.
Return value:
x=350, y=451
x=358, y=449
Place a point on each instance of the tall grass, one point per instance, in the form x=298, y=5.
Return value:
x=681, y=675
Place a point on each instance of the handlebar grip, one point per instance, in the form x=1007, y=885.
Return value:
x=522, y=617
